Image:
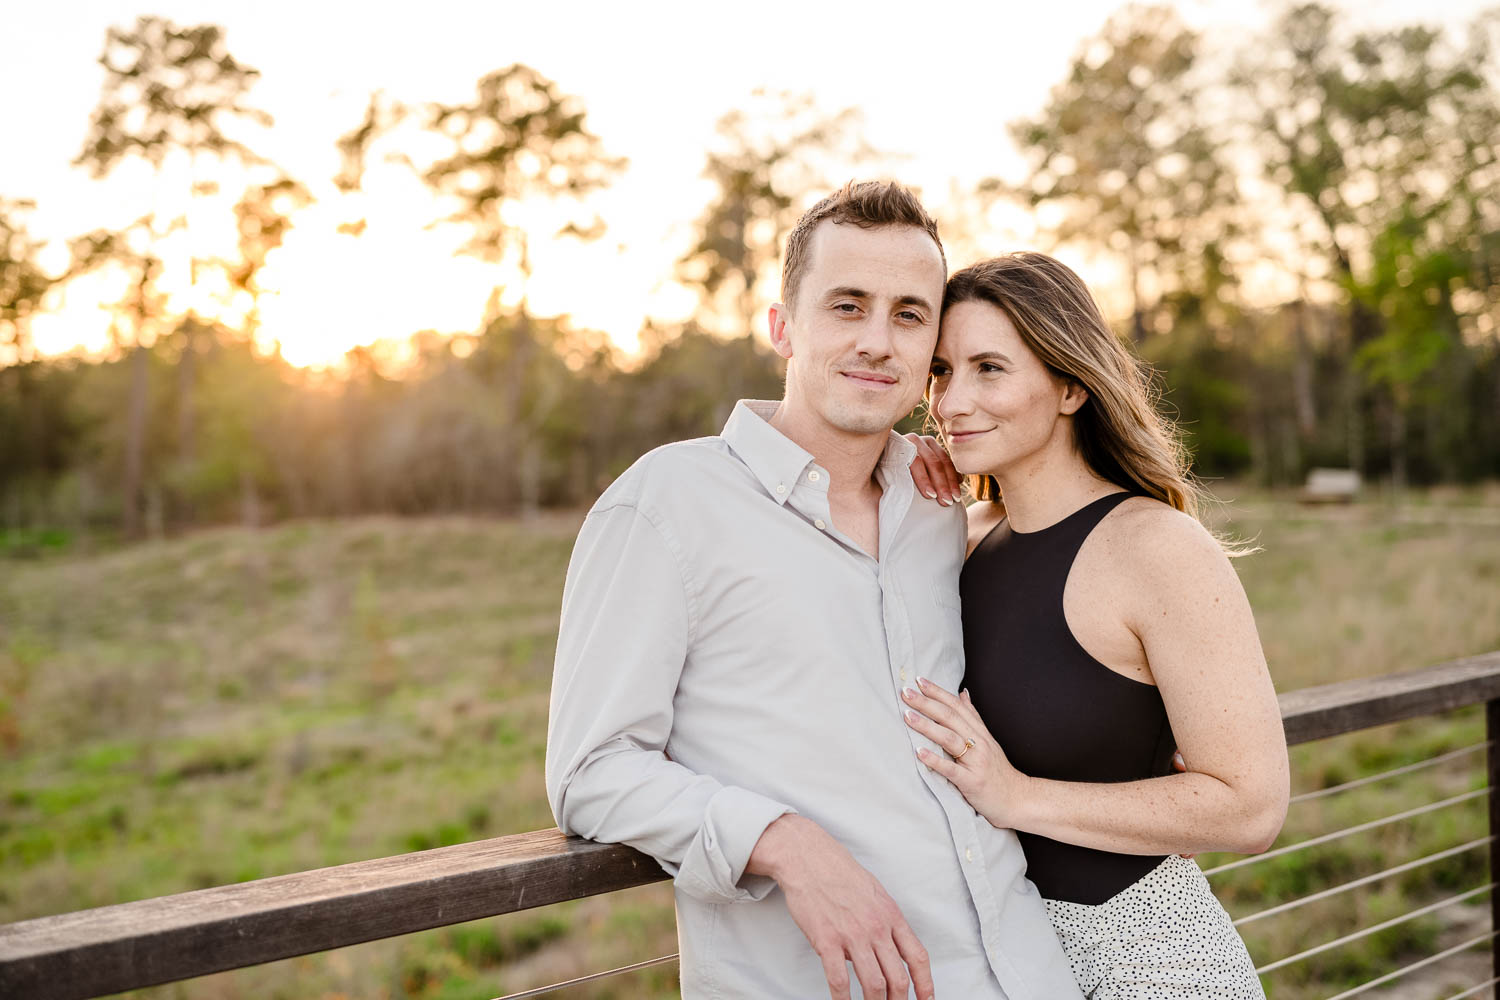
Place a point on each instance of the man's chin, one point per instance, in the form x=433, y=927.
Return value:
x=852, y=420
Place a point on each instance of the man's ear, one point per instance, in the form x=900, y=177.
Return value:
x=1074, y=396
x=777, y=318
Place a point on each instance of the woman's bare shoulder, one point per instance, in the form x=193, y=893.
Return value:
x=1162, y=554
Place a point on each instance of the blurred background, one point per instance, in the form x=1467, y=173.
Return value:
x=318, y=333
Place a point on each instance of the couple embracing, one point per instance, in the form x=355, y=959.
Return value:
x=888, y=747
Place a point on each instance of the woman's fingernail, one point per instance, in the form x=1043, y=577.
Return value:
x=930, y=496
x=909, y=692
x=911, y=716
x=922, y=682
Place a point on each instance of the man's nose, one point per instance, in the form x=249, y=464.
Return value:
x=876, y=338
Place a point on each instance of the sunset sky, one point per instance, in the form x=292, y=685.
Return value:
x=936, y=84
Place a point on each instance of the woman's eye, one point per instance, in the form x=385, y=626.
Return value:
x=938, y=371
x=987, y=367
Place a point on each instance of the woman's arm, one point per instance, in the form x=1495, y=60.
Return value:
x=1194, y=623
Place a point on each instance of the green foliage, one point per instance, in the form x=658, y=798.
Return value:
x=765, y=160
x=23, y=283
x=520, y=139
x=1125, y=150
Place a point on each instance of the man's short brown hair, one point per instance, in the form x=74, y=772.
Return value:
x=868, y=205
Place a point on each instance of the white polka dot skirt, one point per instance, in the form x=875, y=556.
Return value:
x=1164, y=938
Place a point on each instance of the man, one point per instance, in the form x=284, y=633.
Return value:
x=740, y=616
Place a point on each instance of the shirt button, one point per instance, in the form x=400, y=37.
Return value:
x=968, y=854
x=903, y=673
x=814, y=476
x=781, y=487
x=820, y=524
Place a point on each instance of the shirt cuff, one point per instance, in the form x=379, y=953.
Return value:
x=713, y=869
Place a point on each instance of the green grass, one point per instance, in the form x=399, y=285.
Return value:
x=233, y=705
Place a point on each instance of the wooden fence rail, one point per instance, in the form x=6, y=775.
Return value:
x=112, y=948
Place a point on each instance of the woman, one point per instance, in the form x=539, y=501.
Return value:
x=1103, y=627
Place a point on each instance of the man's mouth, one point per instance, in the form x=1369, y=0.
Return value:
x=870, y=378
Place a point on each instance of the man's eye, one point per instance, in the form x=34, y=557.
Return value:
x=846, y=307
x=910, y=316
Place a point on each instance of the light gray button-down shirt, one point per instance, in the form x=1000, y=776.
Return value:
x=727, y=656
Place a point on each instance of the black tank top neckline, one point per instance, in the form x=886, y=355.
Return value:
x=1119, y=496
x=1056, y=710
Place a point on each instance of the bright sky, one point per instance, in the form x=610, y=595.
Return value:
x=936, y=83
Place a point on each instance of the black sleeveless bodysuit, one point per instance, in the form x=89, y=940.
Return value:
x=1055, y=710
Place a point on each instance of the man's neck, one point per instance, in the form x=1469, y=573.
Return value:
x=850, y=459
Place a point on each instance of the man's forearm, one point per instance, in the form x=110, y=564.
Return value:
x=701, y=830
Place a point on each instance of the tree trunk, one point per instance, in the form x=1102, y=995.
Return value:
x=514, y=427
x=1302, y=374
x=1137, y=311
x=186, y=423
x=249, y=499
x=135, y=441
x=1397, y=428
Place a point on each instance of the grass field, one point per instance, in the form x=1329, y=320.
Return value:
x=232, y=705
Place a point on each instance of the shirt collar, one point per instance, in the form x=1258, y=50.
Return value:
x=777, y=461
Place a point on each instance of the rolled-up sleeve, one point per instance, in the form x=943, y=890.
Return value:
x=627, y=622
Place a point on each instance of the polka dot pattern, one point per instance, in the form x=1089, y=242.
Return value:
x=1165, y=937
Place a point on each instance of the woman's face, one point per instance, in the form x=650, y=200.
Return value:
x=998, y=405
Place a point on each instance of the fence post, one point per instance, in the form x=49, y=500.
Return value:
x=1492, y=760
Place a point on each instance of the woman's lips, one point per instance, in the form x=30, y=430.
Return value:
x=959, y=437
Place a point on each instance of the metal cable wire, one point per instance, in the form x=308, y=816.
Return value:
x=1364, y=880
x=1393, y=772
x=1325, y=838
x=1413, y=967
x=538, y=991
x=1366, y=932
x=1474, y=989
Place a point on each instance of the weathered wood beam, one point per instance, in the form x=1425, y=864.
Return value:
x=113, y=948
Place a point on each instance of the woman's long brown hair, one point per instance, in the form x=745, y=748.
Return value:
x=1119, y=431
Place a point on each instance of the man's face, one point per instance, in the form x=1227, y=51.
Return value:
x=861, y=336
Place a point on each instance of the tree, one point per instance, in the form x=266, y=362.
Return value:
x=168, y=91
x=1377, y=139
x=23, y=282
x=766, y=160
x=37, y=433
x=133, y=330
x=1124, y=150
x=521, y=145
x=263, y=217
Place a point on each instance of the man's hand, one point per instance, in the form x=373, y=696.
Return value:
x=845, y=913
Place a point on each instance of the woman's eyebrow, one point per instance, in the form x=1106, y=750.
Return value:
x=989, y=356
